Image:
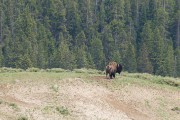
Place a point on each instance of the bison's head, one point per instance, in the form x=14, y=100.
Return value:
x=119, y=68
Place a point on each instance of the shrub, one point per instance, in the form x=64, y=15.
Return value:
x=22, y=118
x=175, y=109
x=62, y=110
x=168, y=81
x=55, y=88
x=90, y=71
x=33, y=69
x=5, y=69
x=82, y=70
x=57, y=70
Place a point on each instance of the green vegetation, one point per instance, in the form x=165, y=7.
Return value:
x=88, y=75
x=156, y=79
x=89, y=71
x=55, y=88
x=147, y=104
x=12, y=105
x=5, y=70
x=176, y=109
x=143, y=35
x=1, y=101
x=60, y=109
x=22, y=118
x=63, y=110
x=33, y=70
x=48, y=109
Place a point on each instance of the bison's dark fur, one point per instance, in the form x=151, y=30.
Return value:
x=112, y=68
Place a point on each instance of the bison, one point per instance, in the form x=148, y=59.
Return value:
x=112, y=68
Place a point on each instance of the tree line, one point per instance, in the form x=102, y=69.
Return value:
x=143, y=35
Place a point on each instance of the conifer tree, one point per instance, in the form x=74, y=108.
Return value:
x=147, y=37
x=73, y=18
x=127, y=10
x=64, y=58
x=1, y=56
x=108, y=43
x=42, y=41
x=143, y=61
x=101, y=17
x=8, y=51
x=157, y=54
x=176, y=72
x=176, y=29
x=25, y=41
x=146, y=49
x=129, y=62
x=84, y=12
x=80, y=50
x=96, y=50
x=90, y=61
x=169, y=59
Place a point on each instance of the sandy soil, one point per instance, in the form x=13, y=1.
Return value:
x=40, y=100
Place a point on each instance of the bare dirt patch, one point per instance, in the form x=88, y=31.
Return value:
x=127, y=108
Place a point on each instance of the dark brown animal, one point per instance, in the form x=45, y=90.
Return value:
x=112, y=68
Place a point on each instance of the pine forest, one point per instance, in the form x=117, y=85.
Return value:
x=142, y=35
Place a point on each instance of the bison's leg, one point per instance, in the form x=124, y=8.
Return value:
x=110, y=76
x=114, y=75
x=107, y=71
x=106, y=74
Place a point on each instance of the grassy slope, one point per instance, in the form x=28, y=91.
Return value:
x=14, y=75
x=97, y=77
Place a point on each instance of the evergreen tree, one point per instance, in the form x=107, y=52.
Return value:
x=90, y=62
x=129, y=62
x=1, y=20
x=147, y=37
x=108, y=43
x=157, y=54
x=73, y=18
x=64, y=58
x=42, y=41
x=8, y=50
x=49, y=43
x=96, y=50
x=25, y=41
x=1, y=57
x=101, y=17
x=176, y=29
x=176, y=72
x=146, y=49
x=161, y=17
x=127, y=10
x=80, y=50
x=84, y=11
x=169, y=59
x=143, y=61
x=57, y=16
